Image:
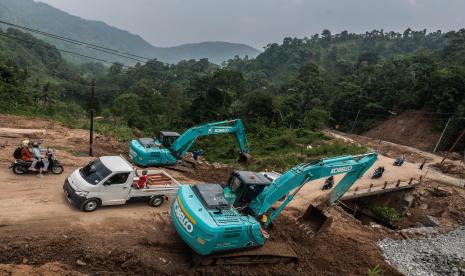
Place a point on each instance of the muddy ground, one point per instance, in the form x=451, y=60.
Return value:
x=41, y=234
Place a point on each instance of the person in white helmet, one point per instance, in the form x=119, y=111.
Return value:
x=37, y=156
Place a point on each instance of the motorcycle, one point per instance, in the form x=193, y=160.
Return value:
x=329, y=182
x=398, y=162
x=378, y=173
x=20, y=167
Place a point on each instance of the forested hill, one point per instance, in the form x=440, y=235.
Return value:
x=40, y=61
x=339, y=53
x=284, y=95
x=49, y=19
x=306, y=83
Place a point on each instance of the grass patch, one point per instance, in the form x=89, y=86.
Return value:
x=386, y=212
x=275, y=149
x=375, y=271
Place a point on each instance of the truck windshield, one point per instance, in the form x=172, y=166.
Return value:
x=94, y=172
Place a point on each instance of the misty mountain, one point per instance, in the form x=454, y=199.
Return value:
x=46, y=18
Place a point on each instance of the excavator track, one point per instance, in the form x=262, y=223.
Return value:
x=271, y=253
x=183, y=166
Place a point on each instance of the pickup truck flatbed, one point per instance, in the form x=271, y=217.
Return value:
x=111, y=180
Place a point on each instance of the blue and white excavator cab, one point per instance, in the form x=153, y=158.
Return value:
x=170, y=147
x=213, y=219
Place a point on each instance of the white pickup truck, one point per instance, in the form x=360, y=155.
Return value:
x=111, y=180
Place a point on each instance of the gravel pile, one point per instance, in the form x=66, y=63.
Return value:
x=440, y=255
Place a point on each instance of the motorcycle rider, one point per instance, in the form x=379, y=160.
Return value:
x=378, y=172
x=399, y=160
x=26, y=154
x=329, y=182
x=38, y=157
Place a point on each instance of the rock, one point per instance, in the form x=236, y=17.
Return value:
x=424, y=231
x=375, y=225
x=408, y=201
x=423, y=206
x=81, y=263
x=441, y=192
x=455, y=156
x=25, y=261
x=439, y=255
x=431, y=221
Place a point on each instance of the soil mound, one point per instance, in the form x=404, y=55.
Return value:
x=451, y=169
x=49, y=269
x=409, y=128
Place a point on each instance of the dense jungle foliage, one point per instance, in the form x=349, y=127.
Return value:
x=285, y=95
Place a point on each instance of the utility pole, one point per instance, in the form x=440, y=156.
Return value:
x=91, y=129
x=442, y=134
x=355, y=122
x=453, y=146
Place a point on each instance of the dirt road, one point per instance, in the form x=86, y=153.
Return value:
x=413, y=156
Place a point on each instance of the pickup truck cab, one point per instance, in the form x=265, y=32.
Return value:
x=110, y=180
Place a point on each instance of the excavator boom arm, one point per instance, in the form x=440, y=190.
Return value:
x=353, y=166
x=184, y=142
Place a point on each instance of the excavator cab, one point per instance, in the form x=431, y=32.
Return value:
x=168, y=137
x=245, y=186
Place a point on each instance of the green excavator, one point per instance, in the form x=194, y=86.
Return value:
x=170, y=147
x=227, y=223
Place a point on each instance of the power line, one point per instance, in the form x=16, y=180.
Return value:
x=61, y=50
x=80, y=43
x=76, y=42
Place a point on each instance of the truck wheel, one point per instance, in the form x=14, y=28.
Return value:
x=90, y=205
x=156, y=201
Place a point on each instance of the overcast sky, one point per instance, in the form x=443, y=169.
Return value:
x=259, y=22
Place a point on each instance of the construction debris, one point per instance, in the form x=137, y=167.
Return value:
x=440, y=255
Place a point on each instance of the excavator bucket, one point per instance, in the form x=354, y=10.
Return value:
x=315, y=219
x=245, y=158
